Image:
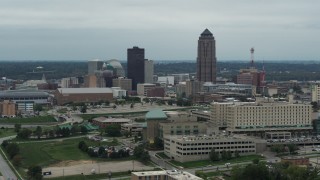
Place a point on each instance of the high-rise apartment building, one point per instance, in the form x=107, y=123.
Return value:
x=148, y=71
x=135, y=65
x=94, y=65
x=206, y=60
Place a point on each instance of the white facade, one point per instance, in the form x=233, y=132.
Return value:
x=193, y=148
x=262, y=116
x=315, y=93
x=168, y=80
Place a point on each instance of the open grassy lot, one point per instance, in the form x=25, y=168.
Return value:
x=94, y=176
x=7, y=132
x=28, y=120
x=193, y=164
x=45, y=153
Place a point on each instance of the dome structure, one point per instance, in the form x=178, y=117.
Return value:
x=117, y=67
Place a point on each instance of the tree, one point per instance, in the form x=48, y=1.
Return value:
x=214, y=156
x=255, y=161
x=83, y=109
x=4, y=143
x=101, y=151
x=34, y=172
x=16, y=160
x=12, y=149
x=229, y=155
x=126, y=133
x=17, y=127
x=84, y=130
x=224, y=155
x=113, y=130
x=114, y=155
x=38, y=107
x=236, y=154
x=38, y=132
x=24, y=133
x=158, y=143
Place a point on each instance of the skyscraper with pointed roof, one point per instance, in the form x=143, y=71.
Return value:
x=206, y=60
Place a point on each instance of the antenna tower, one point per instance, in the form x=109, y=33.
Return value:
x=252, y=57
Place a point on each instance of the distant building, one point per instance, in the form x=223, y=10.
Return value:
x=123, y=83
x=118, y=92
x=168, y=80
x=181, y=89
x=193, y=148
x=36, y=97
x=94, y=65
x=69, y=82
x=182, y=128
x=206, y=60
x=163, y=175
x=142, y=89
x=232, y=88
x=148, y=71
x=117, y=68
x=156, y=92
x=103, y=122
x=77, y=95
x=315, y=93
x=153, y=118
x=7, y=109
x=180, y=78
x=90, y=81
x=134, y=128
x=263, y=116
x=135, y=66
x=192, y=87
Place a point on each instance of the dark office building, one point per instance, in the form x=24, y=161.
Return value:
x=206, y=60
x=135, y=66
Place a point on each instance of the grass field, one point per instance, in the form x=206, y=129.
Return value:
x=162, y=155
x=29, y=120
x=45, y=153
x=94, y=176
x=193, y=164
x=7, y=132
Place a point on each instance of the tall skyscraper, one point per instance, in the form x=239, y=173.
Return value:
x=206, y=60
x=135, y=65
x=148, y=71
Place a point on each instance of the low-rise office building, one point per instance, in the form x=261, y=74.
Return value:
x=7, y=109
x=103, y=122
x=193, y=148
x=164, y=175
x=142, y=89
x=78, y=95
x=134, y=128
x=182, y=128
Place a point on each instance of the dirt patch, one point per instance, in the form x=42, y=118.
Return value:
x=71, y=163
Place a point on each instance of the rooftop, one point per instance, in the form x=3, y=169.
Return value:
x=84, y=90
x=174, y=174
x=156, y=114
x=22, y=94
x=206, y=32
x=112, y=120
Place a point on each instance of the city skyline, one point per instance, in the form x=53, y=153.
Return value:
x=82, y=30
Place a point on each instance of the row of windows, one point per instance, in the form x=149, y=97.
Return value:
x=200, y=153
x=26, y=98
x=209, y=148
x=214, y=143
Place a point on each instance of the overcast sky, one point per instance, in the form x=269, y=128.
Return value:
x=167, y=29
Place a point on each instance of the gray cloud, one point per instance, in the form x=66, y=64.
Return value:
x=168, y=29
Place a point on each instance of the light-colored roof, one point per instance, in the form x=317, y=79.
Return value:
x=23, y=94
x=111, y=120
x=84, y=90
x=156, y=114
